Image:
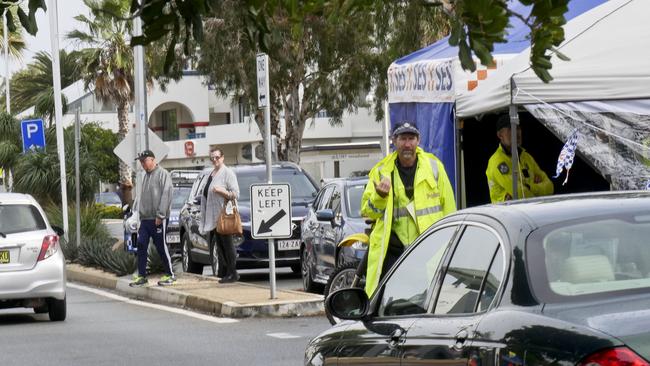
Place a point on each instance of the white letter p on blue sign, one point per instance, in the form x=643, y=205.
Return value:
x=33, y=134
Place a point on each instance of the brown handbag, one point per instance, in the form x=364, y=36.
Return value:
x=229, y=223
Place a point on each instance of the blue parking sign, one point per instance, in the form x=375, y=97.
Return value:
x=33, y=134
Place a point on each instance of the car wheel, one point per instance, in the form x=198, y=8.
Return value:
x=57, y=309
x=296, y=268
x=189, y=266
x=214, y=256
x=341, y=278
x=308, y=283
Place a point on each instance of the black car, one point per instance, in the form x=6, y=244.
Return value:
x=561, y=280
x=182, y=181
x=334, y=214
x=251, y=253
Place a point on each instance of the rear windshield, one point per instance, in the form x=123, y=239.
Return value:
x=354, y=199
x=301, y=187
x=20, y=218
x=591, y=258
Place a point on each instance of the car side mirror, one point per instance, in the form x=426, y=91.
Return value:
x=348, y=303
x=58, y=230
x=325, y=214
x=197, y=200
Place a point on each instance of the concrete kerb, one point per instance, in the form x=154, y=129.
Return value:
x=294, y=304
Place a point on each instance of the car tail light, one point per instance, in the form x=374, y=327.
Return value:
x=619, y=356
x=50, y=246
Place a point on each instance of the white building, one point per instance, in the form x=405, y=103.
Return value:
x=190, y=119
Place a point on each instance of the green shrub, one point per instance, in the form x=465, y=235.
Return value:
x=109, y=212
x=96, y=252
x=91, y=220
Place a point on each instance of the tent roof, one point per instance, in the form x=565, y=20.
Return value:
x=609, y=48
x=517, y=38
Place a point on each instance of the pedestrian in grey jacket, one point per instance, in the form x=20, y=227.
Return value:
x=153, y=205
x=219, y=187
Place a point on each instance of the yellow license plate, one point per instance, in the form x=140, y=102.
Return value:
x=4, y=256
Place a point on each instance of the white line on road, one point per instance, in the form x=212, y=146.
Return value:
x=282, y=335
x=153, y=306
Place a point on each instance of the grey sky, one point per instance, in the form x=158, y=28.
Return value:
x=67, y=9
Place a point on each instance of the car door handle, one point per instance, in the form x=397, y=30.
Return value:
x=396, y=338
x=461, y=337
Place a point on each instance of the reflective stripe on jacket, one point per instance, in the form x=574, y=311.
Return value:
x=499, y=177
x=433, y=199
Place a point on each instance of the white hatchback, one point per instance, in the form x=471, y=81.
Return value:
x=32, y=266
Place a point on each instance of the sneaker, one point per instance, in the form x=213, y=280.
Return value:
x=167, y=280
x=229, y=279
x=139, y=281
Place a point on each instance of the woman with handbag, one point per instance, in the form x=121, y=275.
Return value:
x=220, y=187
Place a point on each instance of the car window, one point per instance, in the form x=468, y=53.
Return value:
x=409, y=287
x=595, y=257
x=108, y=198
x=354, y=200
x=301, y=187
x=20, y=218
x=335, y=201
x=197, y=184
x=325, y=195
x=179, y=196
x=466, y=272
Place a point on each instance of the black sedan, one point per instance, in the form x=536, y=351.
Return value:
x=334, y=214
x=563, y=280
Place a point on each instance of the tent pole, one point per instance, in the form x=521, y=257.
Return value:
x=514, y=152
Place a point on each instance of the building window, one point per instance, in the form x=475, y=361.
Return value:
x=169, y=125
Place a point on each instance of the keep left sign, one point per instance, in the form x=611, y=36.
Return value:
x=33, y=134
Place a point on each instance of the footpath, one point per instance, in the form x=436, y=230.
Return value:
x=207, y=295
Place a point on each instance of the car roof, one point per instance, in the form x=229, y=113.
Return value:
x=547, y=210
x=16, y=198
x=262, y=166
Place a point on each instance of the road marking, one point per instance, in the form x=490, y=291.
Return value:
x=170, y=309
x=282, y=335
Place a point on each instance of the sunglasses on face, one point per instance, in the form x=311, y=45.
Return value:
x=215, y=158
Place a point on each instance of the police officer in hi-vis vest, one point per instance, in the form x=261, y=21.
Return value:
x=533, y=181
x=407, y=192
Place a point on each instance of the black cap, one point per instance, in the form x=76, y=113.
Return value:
x=405, y=127
x=145, y=154
x=503, y=122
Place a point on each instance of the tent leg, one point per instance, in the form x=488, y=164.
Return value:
x=514, y=152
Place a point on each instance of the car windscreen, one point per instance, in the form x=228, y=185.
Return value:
x=301, y=187
x=179, y=196
x=108, y=198
x=354, y=200
x=20, y=218
x=590, y=258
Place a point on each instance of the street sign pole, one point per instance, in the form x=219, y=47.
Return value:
x=58, y=111
x=263, y=102
x=6, y=49
x=77, y=141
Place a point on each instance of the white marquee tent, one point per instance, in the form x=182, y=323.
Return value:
x=603, y=91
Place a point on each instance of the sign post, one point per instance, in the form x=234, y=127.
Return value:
x=262, y=66
x=33, y=134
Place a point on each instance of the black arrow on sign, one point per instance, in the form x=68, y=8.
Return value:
x=265, y=226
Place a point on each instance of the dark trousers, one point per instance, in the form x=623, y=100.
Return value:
x=394, y=251
x=149, y=230
x=227, y=254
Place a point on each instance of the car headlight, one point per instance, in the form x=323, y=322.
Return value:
x=237, y=239
x=357, y=245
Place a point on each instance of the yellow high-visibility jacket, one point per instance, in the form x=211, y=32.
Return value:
x=433, y=198
x=499, y=177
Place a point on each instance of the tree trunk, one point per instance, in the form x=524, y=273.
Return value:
x=123, y=121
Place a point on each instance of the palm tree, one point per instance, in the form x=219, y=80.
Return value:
x=107, y=62
x=9, y=143
x=33, y=85
x=16, y=47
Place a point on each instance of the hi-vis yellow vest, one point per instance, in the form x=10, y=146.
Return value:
x=433, y=198
x=499, y=177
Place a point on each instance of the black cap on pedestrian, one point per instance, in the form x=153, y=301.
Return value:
x=145, y=154
x=406, y=127
x=503, y=122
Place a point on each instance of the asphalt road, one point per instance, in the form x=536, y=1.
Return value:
x=107, y=329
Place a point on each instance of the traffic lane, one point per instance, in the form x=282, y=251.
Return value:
x=107, y=331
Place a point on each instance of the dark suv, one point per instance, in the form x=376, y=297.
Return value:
x=251, y=253
x=182, y=181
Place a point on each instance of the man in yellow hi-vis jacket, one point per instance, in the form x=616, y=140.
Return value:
x=533, y=181
x=407, y=192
